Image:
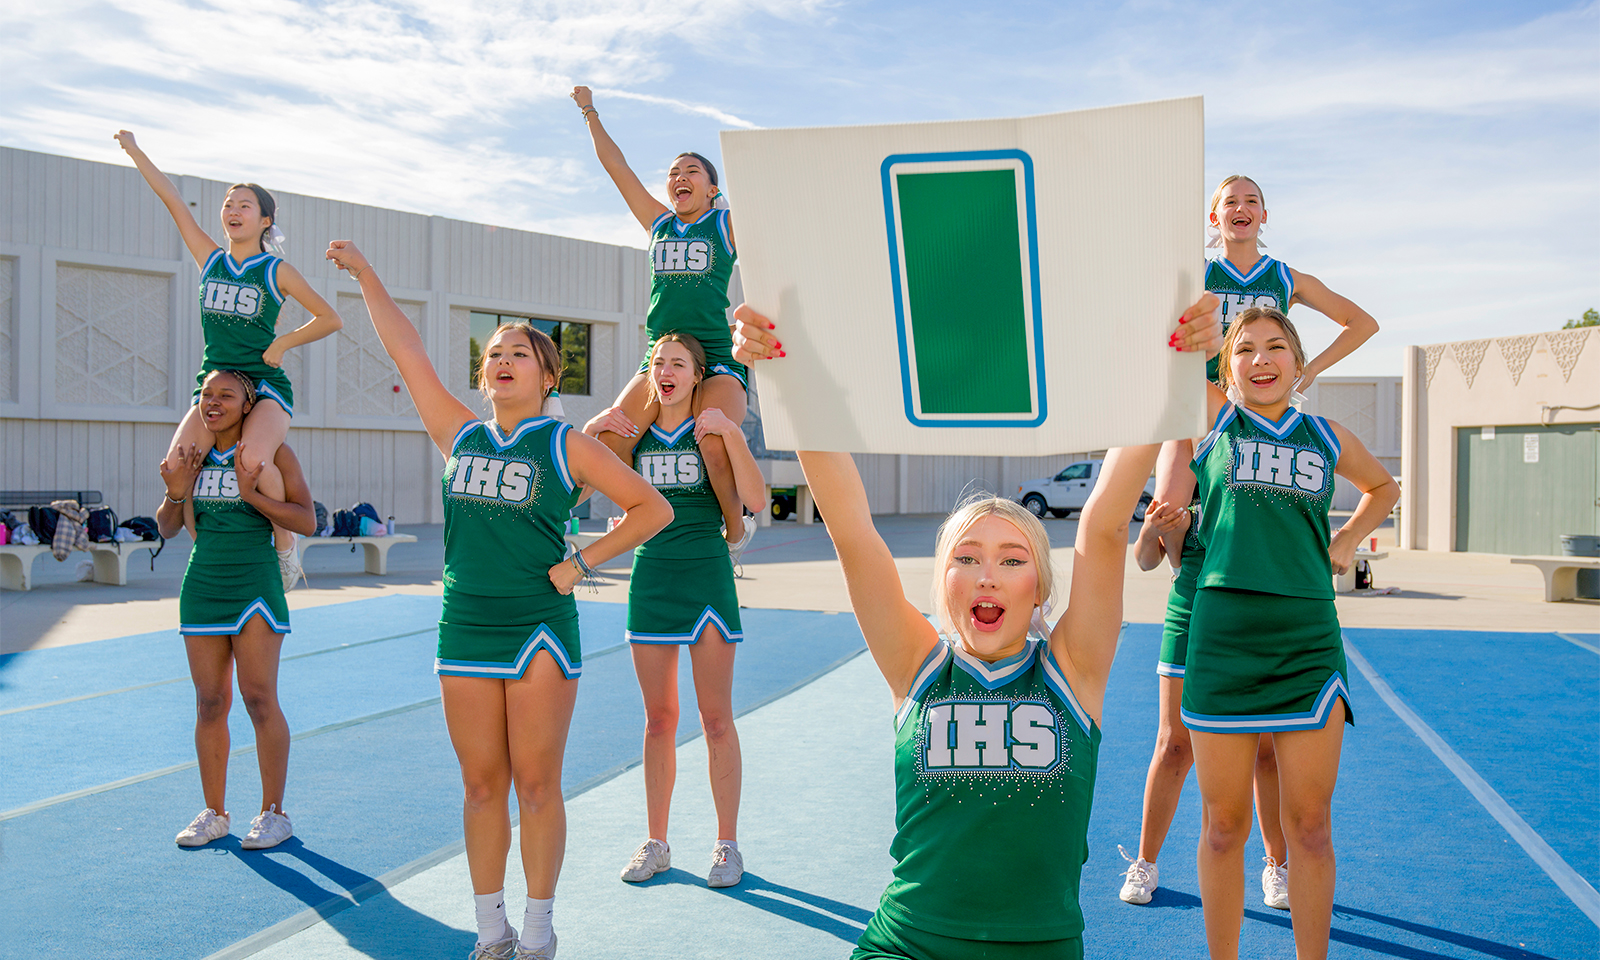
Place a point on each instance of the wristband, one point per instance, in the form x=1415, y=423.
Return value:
x=582, y=564
x=179, y=502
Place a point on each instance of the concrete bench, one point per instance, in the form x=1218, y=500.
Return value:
x=110, y=562
x=377, y=548
x=1560, y=574
x=1346, y=582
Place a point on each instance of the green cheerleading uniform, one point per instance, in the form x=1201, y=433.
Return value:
x=690, y=267
x=1266, y=284
x=1265, y=652
x=506, y=502
x=682, y=578
x=233, y=568
x=994, y=779
x=239, y=306
x=1180, y=601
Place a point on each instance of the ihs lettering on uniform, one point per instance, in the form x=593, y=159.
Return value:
x=215, y=483
x=670, y=470
x=1288, y=468
x=681, y=256
x=965, y=735
x=504, y=480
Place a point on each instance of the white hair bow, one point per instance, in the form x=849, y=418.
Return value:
x=275, y=237
x=1039, y=624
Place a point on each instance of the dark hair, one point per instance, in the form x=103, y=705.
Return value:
x=269, y=206
x=711, y=169
x=544, y=350
x=245, y=382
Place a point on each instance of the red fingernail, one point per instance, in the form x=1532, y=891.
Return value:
x=782, y=354
x=1183, y=319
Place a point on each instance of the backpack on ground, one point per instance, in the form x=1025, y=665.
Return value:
x=42, y=520
x=102, y=525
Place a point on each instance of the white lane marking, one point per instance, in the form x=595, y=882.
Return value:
x=1582, y=643
x=1574, y=886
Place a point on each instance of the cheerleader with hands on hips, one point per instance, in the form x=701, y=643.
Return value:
x=509, y=654
x=242, y=289
x=231, y=607
x=682, y=593
x=691, y=261
x=1265, y=652
x=997, y=719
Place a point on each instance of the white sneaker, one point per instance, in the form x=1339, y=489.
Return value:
x=546, y=952
x=651, y=858
x=503, y=949
x=290, y=570
x=208, y=826
x=268, y=829
x=727, y=865
x=736, y=550
x=1141, y=879
x=1275, y=884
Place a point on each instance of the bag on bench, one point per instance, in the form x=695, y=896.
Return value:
x=102, y=525
x=147, y=529
x=42, y=521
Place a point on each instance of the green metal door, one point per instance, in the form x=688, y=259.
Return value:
x=1520, y=489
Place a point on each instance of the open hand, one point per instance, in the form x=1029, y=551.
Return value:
x=712, y=421
x=179, y=470
x=611, y=419
x=247, y=477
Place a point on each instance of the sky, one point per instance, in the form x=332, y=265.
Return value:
x=1438, y=163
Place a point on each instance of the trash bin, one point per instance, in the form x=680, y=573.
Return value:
x=1583, y=545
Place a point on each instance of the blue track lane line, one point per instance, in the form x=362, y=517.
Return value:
x=1579, y=643
x=1584, y=896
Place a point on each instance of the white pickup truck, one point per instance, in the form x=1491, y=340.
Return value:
x=1069, y=490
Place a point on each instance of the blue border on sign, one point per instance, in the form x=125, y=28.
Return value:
x=899, y=296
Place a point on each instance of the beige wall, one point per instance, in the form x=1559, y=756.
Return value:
x=100, y=332
x=1508, y=381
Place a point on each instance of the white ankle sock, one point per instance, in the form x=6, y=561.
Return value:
x=537, y=923
x=491, y=910
x=732, y=843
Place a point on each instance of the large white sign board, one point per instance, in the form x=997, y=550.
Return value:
x=982, y=287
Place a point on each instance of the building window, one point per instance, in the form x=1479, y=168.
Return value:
x=572, y=339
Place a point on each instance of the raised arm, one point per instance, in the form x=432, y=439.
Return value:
x=1379, y=493
x=197, y=240
x=442, y=413
x=898, y=635
x=295, y=511
x=645, y=207
x=1085, y=638
x=324, y=320
x=1359, y=325
x=747, y=477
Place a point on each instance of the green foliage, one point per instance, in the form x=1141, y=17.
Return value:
x=1591, y=318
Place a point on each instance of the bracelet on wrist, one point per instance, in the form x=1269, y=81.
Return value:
x=180, y=501
x=582, y=564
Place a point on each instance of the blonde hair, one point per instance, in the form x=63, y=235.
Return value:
x=961, y=519
x=1216, y=195
x=697, y=357
x=1236, y=331
x=544, y=349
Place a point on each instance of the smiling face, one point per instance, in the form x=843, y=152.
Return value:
x=243, y=220
x=1237, y=210
x=673, y=373
x=689, y=187
x=1262, y=362
x=991, y=586
x=223, y=402
x=512, y=373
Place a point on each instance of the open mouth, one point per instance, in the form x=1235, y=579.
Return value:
x=504, y=376
x=987, y=613
x=1264, y=379
x=666, y=388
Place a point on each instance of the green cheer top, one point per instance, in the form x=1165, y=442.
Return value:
x=994, y=777
x=690, y=266
x=1266, y=284
x=671, y=463
x=239, y=306
x=506, y=503
x=1267, y=488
